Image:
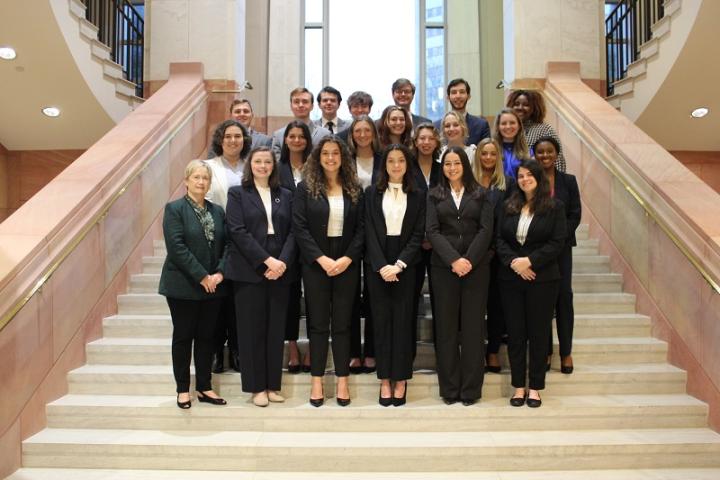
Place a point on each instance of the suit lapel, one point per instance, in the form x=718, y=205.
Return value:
x=412, y=201
x=380, y=215
x=463, y=201
x=255, y=199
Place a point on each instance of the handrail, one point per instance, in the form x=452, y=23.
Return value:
x=627, y=28
x=57, y=231
x=677, y=217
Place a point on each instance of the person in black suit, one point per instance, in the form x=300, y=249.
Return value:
x=459, y=227
x=530, y=238
x=488, y=169
x=192, y=281
x=458, y=94
x=394, y=230
x=296, y=148
x=328, y=227
x=563, y=187
x=261, y=263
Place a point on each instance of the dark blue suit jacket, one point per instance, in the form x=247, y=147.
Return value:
x=566, y=190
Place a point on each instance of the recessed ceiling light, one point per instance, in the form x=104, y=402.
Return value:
x=700, y=112
x=51, y=111
x=7, y=53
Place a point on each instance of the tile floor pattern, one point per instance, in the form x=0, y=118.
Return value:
x=623, y=414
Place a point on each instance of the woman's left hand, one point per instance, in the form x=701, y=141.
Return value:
x=389, y=273
x=341, y=264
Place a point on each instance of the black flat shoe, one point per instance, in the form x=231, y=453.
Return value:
x=493, y=368
x=357, y=370
x=533, y=402
x=343, y=402
x=369, y=369
x=183, y=405
x=449, y=401
x=518, y=401
x=212, y=401
x=294, y=369
x=467, y=402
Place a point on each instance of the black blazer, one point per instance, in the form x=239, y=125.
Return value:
x=465, y=232
x=497, y=199
x=310, y=223
x=411, y=233
x=286, y=177
x=544, y=242
x=247, y=229
x=566, y=190
x=189, y=257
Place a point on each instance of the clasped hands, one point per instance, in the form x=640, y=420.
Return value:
x=210, y=282
x=332, y=267
x=389, y=273
x=276, y=268
x=521, y=266
x=461, y=267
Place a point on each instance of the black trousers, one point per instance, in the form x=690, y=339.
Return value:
x=262, y=310
x=194, y=323
x=330, y=303
x=226, y=331
x=292, y=322
x=528, y=310
x=564, y=309
x=361, y=308
x=460, y=331
x=495, y=319
x=420, y=270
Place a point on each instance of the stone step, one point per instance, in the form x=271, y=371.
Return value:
x=157, y=351
x=119, y=474
x=368, y=451
x=588, y=379
x=365, y=415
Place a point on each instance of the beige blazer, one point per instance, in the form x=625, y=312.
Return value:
x=218, y=193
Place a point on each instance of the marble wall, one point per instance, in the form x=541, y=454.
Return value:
x=5, y=209
x=656, y=220
x=76, y=244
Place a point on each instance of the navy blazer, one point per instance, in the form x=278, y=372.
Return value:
x=543, y=244
x=189, y=256
x=566, y=190
x=412, y=231
x=247, y=228
x=286, y=176
x=310, y=224
x=478, y=128
x=459, y=232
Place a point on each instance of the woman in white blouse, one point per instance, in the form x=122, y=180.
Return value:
x=261, y=262
x=394, y=230
x=328, y=227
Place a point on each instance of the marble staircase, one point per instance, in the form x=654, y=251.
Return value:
x=623, y=414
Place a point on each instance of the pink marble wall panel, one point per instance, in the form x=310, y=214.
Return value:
x=595, y=186
x=201, y=141
x=77, y=284
x=122, y=228
x=629, y=227
x=180, y=154
x=155, y=180
x=10, y=449
x=706, y=165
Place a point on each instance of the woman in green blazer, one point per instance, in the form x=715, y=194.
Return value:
x=191, y=280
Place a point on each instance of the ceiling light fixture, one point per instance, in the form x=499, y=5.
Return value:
x=51, y=111
x=700, y=112
x=7, y=53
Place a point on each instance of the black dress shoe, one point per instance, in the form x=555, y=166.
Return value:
x=518, y=401
x=449, y=401
x=317, y=402
x=533, y=402
x=343, y=402
x=493, y=368
x=384, y=402
x=400, y=401
x=212, y=401
x=357, y=370
x=305, y=368
x=183, y=405
x=566, y=369
x=218, y=364
x=293, y=368
x=369, y=369
x=235, y=361
x=467, y=402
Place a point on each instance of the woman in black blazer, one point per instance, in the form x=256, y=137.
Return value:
x=296, y=148
x=488, y=169
x=261, y=263
x=531, y=235
x=563, y=187
x=328, y=227
x=459, y=227
x=191, y=281
x=394, y=230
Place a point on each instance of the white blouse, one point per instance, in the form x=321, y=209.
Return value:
x=336, y=217
x=457, y=197
x=267, y=203
x=297, y=174
x=523, y=226
x=394, y=204
x=364, y=170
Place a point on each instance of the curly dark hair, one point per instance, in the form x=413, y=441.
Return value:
x=535, y=100
x=217, y=139
x=314, y=176
x=408, y=182
x=472, y=187
x=285, y=150
x=541, y=202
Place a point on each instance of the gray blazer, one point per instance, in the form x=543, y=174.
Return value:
x=317, y=134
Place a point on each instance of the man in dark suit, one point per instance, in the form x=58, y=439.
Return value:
x=403, y=92
x=329, y=100
x=301, y=104
x=458, y=94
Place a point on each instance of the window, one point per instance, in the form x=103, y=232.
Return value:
x=349, y=46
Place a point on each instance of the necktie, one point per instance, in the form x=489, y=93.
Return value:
x=330, y=127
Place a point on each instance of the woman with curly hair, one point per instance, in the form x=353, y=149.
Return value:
x=328, y=227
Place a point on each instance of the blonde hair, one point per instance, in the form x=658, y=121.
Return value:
x=497, y=179
x=520, y=146
x=460, y=120
x=194, y=165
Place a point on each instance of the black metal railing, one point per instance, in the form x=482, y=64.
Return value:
x=121, y=27
x=628, y=27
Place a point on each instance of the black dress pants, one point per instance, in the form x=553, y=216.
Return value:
x=564, y=309
x=420, y=270
x=528, y=310
x=361, y=308
x=460, y=331
x=330, y=303
x=495, y=320
x=194, y=323
x=261, y=328
x=225, y=330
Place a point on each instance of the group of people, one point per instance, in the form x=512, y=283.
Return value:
x=351, y=216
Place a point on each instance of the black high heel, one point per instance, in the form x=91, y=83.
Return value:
x=400, y=401
x=318, y=402
x=384, y=402
x=212, y=401
x=183, y=405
